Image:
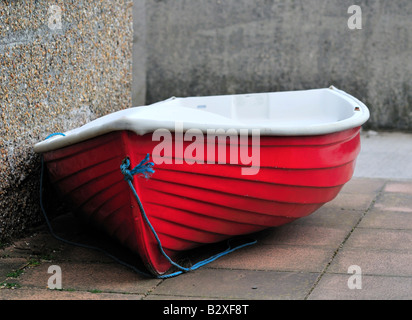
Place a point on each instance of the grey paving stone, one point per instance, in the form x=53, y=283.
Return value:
x=8, y=265
x=335, y=287
x=348, y=201
x=106, y=277
x=240, y=284
x=277, y=258
x=396, y=202
x=309, y=235
x=387, y=220
x=332, y=217
x=380, y=239
x=363, y=185
x=385, y=156
x=46, y=294
x=373, y=262
x=399, y=187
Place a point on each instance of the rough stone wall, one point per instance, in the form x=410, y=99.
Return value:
x=197, y=47
x=54, y=77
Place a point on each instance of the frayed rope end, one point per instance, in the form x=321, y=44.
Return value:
x=144, y=168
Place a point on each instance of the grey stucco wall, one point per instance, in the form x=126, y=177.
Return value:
x=139, y=53
x=53, y=79
x=207, y=47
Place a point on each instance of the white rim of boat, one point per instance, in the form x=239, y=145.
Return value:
x=126, y=120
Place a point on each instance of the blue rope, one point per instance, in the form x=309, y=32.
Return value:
x=145, y=168
x=55, y=134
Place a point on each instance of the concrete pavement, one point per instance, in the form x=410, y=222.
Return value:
x=368, y=226
x=385, y=155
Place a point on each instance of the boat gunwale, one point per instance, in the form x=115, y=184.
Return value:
x=142, y=126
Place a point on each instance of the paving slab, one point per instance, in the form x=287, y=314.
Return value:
x=380, y=239
x=373, y=262
x=385, y=155
x=335, y=287
x=305, y=235
x=9, y=265
x=399, y=187
x=352, y=201
x=377, y=219
x=332, y=217
x=364, y=186
x=397, y=202
x=45, y=294
x=102, y=277
x=239, y=284
x=277, y=258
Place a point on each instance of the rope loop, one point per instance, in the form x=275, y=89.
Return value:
x=144, y=168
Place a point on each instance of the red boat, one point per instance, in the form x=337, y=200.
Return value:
x=223, y=166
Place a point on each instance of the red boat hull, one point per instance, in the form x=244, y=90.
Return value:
x=191, y=205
